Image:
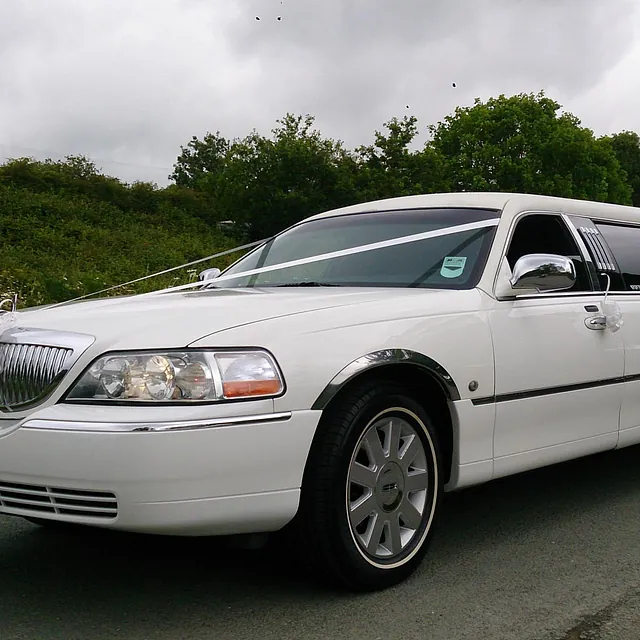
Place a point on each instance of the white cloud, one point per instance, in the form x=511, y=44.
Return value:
x=613, y=104
x=132, y=80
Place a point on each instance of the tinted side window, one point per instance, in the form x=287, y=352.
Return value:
x=547, y=233
x=625, y=244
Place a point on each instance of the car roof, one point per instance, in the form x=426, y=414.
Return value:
x=493, y=200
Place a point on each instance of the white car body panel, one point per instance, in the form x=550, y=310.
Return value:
x=543, y=344
x=630, y=409
x=515, y=370
x=202, y=481
x=419, y=320
x=408, y=323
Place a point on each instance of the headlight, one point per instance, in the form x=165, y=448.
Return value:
x=187, y=376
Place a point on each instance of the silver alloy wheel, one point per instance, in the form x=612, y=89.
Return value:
x=388, y=487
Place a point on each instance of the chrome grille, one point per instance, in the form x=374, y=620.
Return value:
x=36, y=499
x=27, y=371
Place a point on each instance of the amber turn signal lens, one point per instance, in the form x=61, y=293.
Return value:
x=251, y=388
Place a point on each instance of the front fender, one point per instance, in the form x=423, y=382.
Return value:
x=449, y=335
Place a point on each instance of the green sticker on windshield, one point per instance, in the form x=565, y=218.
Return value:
x=452, y=266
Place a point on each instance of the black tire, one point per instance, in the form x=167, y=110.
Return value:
x=325, y=532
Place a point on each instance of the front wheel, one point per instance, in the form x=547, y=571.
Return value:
x=372, y=488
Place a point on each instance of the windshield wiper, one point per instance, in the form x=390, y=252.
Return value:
x=307, y=283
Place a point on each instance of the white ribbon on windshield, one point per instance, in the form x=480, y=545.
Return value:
x=337, y=254
x=416, y=237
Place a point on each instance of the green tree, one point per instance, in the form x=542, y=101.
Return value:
x=389, y=168
x=75, y=175
x=266, y=184
x=522, y=144
x=200, y=159
x=626, y=146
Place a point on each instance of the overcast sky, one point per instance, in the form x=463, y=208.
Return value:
x=126, y=82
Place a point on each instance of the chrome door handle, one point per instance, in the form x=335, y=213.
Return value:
x=597, y=323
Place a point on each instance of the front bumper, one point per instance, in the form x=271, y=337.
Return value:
x=204, y=477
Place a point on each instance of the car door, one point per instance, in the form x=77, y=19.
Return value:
x=622, y=244
x=558, y=380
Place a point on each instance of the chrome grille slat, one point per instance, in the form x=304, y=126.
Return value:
x=15, y=374
x=8, y=373
x=6, y=370
x=18, y=379
x=13, y=363
x=31, y=383
x=59, y=501
x=28, y=370
x=42, y=374
x=23, y=377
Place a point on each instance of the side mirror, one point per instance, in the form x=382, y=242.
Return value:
x=209, y=274
x=543, y=272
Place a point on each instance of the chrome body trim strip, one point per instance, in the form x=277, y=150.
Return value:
x=547, y=391
x=382, y=358
x=152, y=427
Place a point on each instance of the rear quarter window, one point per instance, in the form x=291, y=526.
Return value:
x=624, y=242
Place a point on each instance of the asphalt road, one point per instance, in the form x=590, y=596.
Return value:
x=550, y=555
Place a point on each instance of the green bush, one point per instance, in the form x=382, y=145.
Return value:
x=57, y=246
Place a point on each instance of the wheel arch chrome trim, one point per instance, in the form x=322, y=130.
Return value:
x=383, y=358
x=152, y=427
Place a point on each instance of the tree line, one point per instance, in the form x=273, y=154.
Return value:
x=67, y=229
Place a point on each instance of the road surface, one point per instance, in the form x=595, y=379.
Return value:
x=549, y=555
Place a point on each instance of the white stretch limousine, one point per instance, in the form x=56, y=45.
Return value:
x=335, y=380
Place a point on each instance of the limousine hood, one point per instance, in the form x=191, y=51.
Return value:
x=177, y=319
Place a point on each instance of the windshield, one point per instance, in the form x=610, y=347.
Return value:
x=449, y=261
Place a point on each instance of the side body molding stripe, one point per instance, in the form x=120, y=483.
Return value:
x=548, y=391
x=387, y=357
